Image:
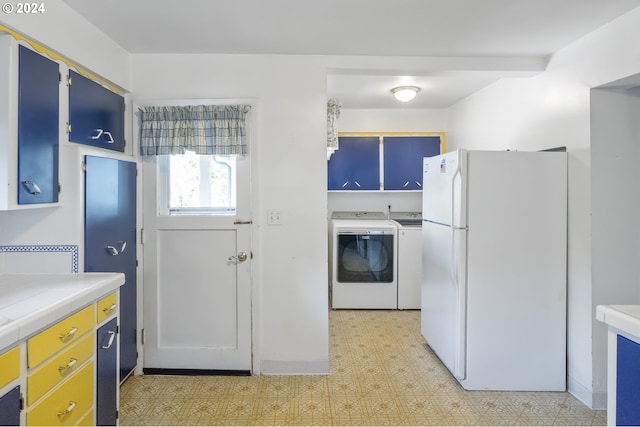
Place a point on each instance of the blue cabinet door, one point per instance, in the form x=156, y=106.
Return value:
x=96, y=114
x=110, y=239
x=38, y=125
x=107, y=374
x=403, y=160
x=355, y=165
x=628, y=383
x=10, y=408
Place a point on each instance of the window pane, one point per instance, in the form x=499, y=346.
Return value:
x=202, y=184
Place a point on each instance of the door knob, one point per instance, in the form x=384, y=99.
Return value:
x=241, y=257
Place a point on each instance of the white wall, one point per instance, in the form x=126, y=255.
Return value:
x=553, y=109
x=615, y=153
x=289, y=175
x=62, y=30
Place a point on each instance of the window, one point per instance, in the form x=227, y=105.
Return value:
x=199, y=184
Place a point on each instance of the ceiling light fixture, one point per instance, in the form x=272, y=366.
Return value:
x=405, y=93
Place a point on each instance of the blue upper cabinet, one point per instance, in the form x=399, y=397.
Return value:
x=403, y=160
x=96, y=114
x=356, y=164
x=38, y=128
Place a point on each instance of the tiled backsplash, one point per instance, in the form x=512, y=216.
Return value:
x=39, y=259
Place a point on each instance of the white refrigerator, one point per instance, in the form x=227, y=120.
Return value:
x=494, y=236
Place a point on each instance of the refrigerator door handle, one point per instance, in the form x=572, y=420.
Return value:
x=460, y=371
x=453, y=269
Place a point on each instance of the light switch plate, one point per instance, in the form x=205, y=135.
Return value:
x=274, y=218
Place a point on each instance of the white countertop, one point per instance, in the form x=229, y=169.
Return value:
x=31, y=302
x=623, y=317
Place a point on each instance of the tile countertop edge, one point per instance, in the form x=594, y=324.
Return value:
x=626, y=318
x=63, y=295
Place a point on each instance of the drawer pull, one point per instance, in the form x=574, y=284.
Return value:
x=67, y=411
x=69, y=335
x=64, y=369
x=112, y=335
x=110, y=308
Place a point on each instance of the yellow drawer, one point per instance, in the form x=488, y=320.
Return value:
x=59, y=336
x=10, y=362
x=59, y=367
x=107, y=306
x=86, y=420
x=67, y=403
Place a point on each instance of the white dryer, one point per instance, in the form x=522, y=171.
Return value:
x=364, y=263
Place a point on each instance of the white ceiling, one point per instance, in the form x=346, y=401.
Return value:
x=507, y=32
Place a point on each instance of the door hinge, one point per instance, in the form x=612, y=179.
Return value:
x=68, y=127
x=142, y=236
x=59, y=78
x=142, y=336
x=117, y=329
x=117, y=414
x=137, y=263
x=68, y=79
x=21, y=402
x=59, y=188
x=84, y=166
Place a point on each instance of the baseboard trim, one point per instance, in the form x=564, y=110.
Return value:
x=594, y=400
x=196, y=372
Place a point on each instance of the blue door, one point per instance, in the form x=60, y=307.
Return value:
x=10, y=408
x=96, y=114
x=38, y=112
x=628, y=383
x=356, y=164
x=110, y=239
x=107, y=374
x=403, y=160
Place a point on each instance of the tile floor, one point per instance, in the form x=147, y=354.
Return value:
x=382, y=373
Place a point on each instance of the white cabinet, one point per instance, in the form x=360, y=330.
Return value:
x=623, y=364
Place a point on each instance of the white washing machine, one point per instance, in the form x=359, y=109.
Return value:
x=364, y=261
x=409, y=259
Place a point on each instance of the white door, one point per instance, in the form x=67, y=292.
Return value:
x=444, y=240
x=197, y=263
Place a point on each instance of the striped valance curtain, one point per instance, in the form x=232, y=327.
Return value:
x=205, y=129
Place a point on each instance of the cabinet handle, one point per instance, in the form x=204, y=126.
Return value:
x=64, y=369
x=70, y=408
x=109, y=138
x=114, y=251
x=357, y=184
x=110, y=309
x=345, y=184
x=405, y=184
x=102, y=135
x=112, y=336
x=31, y=187
x=68, y=335
x=418, y=184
